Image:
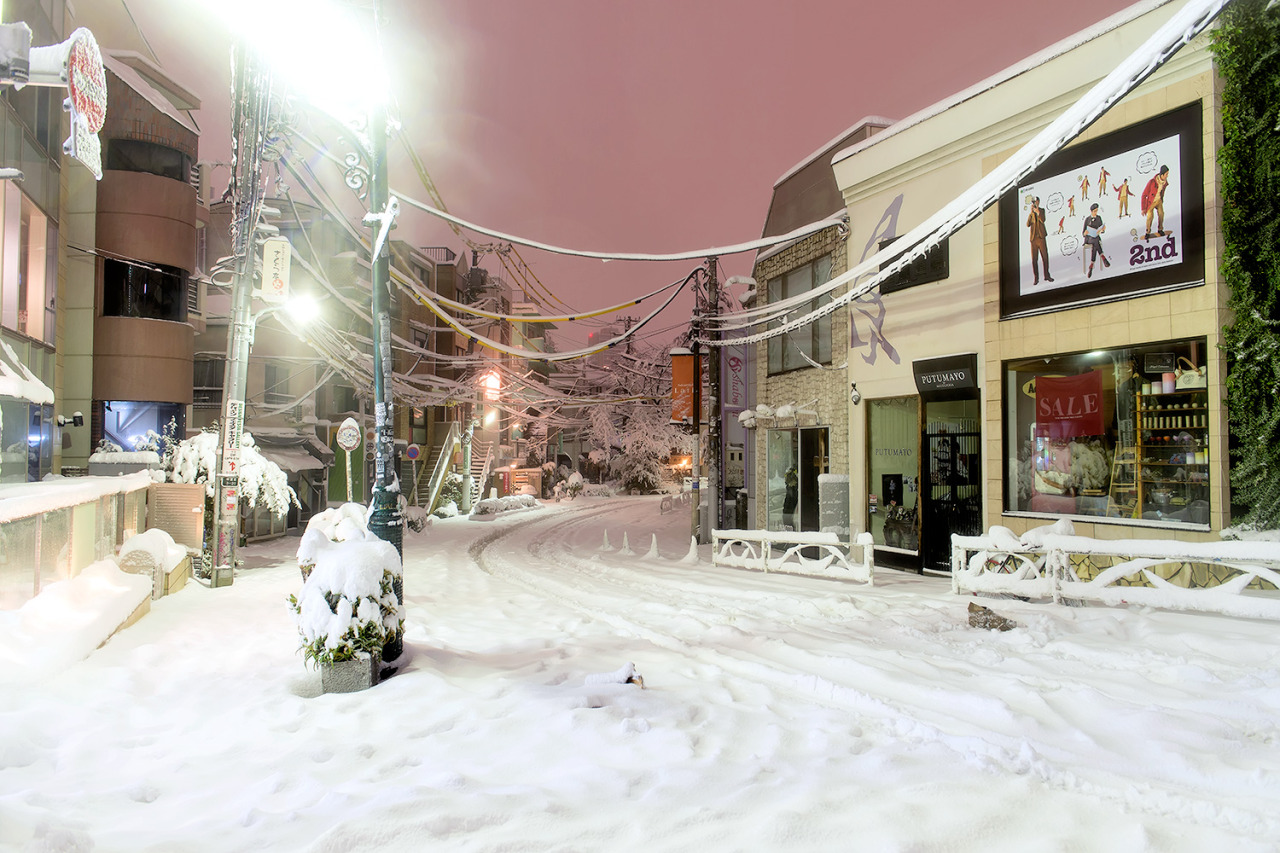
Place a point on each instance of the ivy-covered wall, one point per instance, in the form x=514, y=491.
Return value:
x=1247, y=48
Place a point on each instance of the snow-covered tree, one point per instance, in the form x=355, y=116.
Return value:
x=634, y=439
x=195, y=459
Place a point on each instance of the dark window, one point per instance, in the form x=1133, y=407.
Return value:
x=276, y=386
x=344, y=399
x=134, y=155
x=809, y=344
x=206, y=383
x=41, y=112
x=934, y=265
x=153, y=291
x=418, y=416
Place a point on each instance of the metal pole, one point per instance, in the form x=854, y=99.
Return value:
x=715, y=462
x=385, y=519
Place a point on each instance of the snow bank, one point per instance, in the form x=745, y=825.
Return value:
x=160, y=545
x=67, y=621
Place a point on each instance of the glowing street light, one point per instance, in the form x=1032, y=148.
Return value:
x=311, y=46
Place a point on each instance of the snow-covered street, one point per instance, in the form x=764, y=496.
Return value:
x=779, y=712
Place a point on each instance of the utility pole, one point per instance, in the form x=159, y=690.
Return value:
x=249, y=113
x=715, y=464
x=695, y=518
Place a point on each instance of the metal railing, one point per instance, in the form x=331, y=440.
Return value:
x=754, y=549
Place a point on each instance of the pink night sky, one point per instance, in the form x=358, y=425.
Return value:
x=655, y=127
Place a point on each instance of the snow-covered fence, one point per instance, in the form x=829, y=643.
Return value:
x=670, y=503
x=754, y=549
x=1231, y=578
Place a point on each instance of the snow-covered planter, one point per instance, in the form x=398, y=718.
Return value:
x=347, y=609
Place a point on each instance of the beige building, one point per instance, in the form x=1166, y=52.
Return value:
x=1051, y=358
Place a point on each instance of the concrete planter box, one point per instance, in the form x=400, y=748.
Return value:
x=351, y=676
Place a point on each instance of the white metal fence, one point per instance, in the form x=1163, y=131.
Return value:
x=1230, y=578
x=784, y=550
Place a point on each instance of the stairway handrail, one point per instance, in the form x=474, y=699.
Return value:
x=443, y=463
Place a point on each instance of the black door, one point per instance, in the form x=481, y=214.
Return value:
x=951, y=493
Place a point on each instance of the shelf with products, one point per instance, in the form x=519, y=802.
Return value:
x=1165, y=472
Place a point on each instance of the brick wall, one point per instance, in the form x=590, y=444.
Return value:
x=830, y=388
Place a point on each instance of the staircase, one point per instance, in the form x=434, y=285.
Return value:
x=481, y=461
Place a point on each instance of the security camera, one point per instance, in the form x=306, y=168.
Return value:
x=855, y=396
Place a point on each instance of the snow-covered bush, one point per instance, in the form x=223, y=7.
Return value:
x=261, y=480
x=597, y=490
x=495, y=506
x=416, y=518
x=348, y=604
x=574, y=485
x=449, y=510
x=450, y=493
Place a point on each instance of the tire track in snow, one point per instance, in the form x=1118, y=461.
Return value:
x=634, y=593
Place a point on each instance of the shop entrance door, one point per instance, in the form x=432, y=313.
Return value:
x=952, y=476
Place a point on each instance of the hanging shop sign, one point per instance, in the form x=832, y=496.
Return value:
x=682, y=372
x=275, y=270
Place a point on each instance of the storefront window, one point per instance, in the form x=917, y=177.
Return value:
x=796, y=459
x=784, y=483
x=893, y=436
x=1119, y=433
x=29, y=277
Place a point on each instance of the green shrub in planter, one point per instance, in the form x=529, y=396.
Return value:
x=347, y=608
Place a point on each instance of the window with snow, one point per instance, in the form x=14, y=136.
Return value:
x=811, y=343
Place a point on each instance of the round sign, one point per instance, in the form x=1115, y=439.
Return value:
x=348, y=435
x=412, y=452
x=87, y=81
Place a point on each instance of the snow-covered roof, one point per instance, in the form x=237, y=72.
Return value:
x=23, y=500
x=291, y=461
x=125, y=64
x=1068, y=44
x=865, y=121
x=17, y=380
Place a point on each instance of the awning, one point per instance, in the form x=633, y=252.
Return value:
x=292, y=461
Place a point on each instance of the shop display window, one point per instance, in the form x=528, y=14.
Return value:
x=1120, y=433
x=893, y=436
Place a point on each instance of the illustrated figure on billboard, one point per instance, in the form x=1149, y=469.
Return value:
x=1103, y=174
x=1153, y=201
x=1122, y=196
x=1093, y=230
x=1062, y=225
x=1084, y=188
x=1071, y=206
x=1039, y=248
